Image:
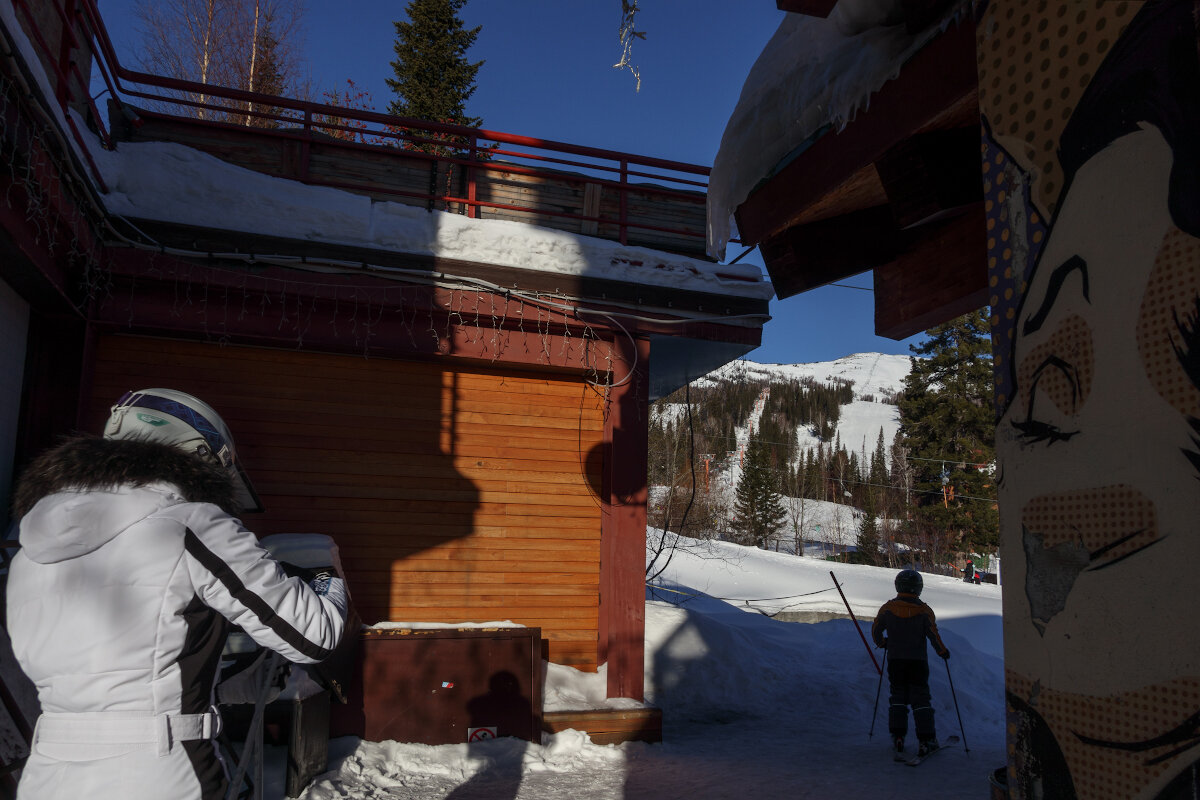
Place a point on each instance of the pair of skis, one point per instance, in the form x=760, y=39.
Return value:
x=913, y=761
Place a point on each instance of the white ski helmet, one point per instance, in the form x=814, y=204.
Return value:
x=181, y=420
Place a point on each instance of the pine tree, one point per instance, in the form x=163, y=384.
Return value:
x=758, y=508
x=868, y=539
x=434, y=79
x=948, y=428
x=878, y=475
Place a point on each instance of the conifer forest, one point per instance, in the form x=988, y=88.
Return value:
x=927, y=497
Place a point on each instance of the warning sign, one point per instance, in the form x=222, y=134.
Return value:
x=481, y=734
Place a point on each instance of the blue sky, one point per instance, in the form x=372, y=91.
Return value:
x=549, y=74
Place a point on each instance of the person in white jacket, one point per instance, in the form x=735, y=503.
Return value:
x=133, y=566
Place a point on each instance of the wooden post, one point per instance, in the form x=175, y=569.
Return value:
x=622, y=623
x=472, y=209
x=624, y=234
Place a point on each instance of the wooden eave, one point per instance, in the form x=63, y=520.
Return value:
x=897, y=191
x=583, y=287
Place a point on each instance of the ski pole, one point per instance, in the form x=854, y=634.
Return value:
x=875, y=711
x=874, y=660
x=956, y=711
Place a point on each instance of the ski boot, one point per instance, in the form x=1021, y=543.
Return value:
x=926, y=747
x=898, y=744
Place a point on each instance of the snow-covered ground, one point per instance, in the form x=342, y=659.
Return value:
x=752, y=707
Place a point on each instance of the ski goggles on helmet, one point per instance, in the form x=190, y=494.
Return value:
x=218, y=447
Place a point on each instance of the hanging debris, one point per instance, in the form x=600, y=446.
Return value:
x=628, y=32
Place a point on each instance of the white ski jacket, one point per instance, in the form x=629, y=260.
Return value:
x=118, y=607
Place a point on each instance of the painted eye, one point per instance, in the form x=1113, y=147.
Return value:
x=1045, y=419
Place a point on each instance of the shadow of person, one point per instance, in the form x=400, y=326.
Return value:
x=508, y=713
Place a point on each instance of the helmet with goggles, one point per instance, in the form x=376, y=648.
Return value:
x=183, y=421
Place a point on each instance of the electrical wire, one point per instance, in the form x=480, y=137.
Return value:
x=439, y=280
x=975, y=464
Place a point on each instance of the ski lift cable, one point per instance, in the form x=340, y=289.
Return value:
x=950, y=460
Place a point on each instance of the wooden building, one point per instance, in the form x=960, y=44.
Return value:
x=470, y=431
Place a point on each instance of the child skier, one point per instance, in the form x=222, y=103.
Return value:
x=908, y=622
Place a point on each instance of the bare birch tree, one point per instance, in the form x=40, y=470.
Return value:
x=221, y=43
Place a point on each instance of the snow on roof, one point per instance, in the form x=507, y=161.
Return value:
x=170, y=182
x=814, y=72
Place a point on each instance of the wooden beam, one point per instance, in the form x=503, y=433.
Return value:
x=935, y=79
x=932, y=174
x=592, y=288
x=807, y=256
x=942, y=275
x=812, y=8
x=622, y=622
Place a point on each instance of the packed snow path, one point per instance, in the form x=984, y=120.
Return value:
x=753, y=708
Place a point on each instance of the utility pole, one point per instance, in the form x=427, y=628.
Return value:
x=708, y=457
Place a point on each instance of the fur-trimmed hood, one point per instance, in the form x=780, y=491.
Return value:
x=105, y=485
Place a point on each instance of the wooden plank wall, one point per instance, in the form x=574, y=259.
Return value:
x=454, y=496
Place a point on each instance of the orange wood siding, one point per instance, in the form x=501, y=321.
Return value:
x=454, y=496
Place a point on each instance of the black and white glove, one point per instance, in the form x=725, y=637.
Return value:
x=325, y=583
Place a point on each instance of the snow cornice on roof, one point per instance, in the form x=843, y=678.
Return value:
x=170, y=183
x=813, y=77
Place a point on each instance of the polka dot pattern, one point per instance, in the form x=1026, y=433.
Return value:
x=1110, y=522
x=1035, y=60
x=1015, y=233
x=1107, y=773
x=1071, y=345
x=1169, y=302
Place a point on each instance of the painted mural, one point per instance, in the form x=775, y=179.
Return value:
x=1091, y=152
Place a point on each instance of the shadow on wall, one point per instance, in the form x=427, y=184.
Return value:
x=334, y=444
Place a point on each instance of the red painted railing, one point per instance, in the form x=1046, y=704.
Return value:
x=474, y=150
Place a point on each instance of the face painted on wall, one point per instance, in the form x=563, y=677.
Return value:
x=1099, y=438
x=1093, y=444
x=1099, y=477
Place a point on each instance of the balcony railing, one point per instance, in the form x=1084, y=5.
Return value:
x=480, y=173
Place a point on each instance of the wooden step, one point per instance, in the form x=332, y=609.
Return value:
x=608, y=726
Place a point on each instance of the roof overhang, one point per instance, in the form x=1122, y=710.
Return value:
x=898, y=191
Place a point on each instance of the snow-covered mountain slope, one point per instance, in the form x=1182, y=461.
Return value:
x=874, y=376
x=872, y=373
